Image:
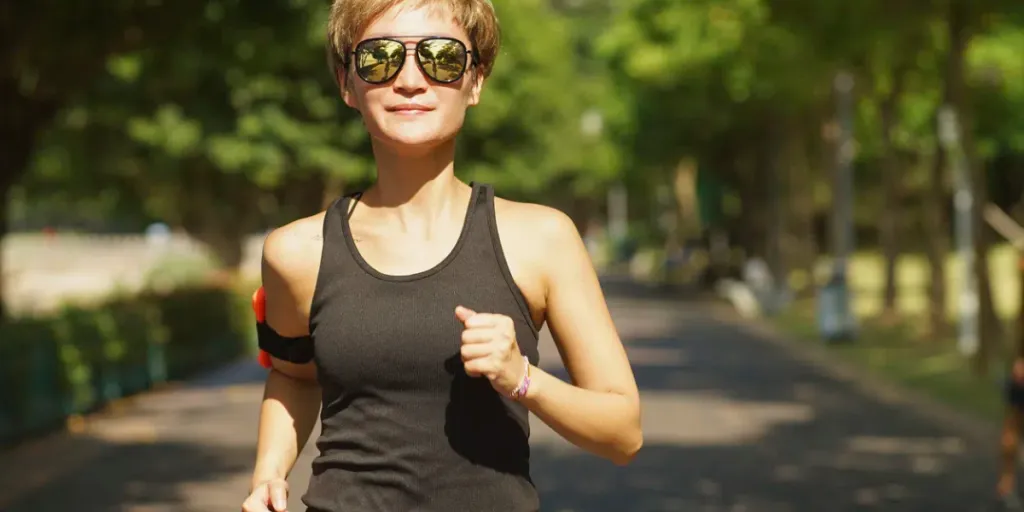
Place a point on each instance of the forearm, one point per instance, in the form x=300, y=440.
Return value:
x=287, y=417
x=604, y=423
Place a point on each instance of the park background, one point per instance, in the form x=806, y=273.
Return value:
x=750, y=150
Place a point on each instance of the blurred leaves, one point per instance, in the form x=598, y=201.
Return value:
x=236, y=97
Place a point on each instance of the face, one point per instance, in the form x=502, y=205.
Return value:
x=412, y=112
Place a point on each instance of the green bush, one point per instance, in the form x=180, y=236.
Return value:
x=79, y=359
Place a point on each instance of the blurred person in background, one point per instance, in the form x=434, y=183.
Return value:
x=409, y=312
x=1010, y=440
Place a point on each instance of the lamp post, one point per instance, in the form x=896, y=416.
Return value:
x=963, y=204
x=835, y=314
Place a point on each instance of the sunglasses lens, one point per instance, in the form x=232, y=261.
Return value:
x=443, y=60
x=378, y=61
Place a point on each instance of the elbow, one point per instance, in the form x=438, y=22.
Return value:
x=630, y=442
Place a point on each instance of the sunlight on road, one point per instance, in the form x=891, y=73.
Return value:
x=700, y=419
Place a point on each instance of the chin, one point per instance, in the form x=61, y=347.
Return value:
x=416, y=139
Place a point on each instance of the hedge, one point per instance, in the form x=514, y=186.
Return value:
x=81, y=358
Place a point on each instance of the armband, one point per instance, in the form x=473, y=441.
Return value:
x=297, y=350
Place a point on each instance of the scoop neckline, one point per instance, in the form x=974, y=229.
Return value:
x=369, y=269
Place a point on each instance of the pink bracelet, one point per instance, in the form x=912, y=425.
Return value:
x=524, y=385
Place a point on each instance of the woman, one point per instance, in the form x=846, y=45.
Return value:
x=410, y=312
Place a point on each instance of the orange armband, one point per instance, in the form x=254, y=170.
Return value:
x=294, y=350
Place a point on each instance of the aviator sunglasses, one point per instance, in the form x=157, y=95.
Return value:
x=443, y=59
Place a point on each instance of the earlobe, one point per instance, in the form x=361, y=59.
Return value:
x=343, y=87
x=478, y=85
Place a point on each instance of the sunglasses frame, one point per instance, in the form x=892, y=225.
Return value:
x=472, y=54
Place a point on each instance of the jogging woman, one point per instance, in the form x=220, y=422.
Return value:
x=408, y=314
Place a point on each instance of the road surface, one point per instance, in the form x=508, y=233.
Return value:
x=732, y=423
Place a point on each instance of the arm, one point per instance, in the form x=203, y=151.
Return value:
x=291, y=398
x=600, y=411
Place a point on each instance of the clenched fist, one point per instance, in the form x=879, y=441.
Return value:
x=268, y=496
x=489, y=349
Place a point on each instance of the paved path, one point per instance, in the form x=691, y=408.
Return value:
x=732, y=423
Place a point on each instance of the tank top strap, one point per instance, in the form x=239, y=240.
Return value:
x=335, y=219
x=486, y=237
x=336, y=262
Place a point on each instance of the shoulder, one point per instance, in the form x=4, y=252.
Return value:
x=543, y=223
x=293, y=249
x=540, y=240
x=291, y=263
x=549, y=231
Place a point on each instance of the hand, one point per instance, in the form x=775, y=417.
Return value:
x=273, y=492
x=489, y=349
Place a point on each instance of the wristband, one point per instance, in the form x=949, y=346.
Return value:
x=524, y=385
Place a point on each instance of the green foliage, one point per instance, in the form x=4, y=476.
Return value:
x=226, y=122
x=79, y=359
x=528, y=131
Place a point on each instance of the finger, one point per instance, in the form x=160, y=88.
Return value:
x=463, y=313
x=485, y=320
x=479, y=335
x=481, y=367
x=257, y=501
x=279, y=495
x=475, y=351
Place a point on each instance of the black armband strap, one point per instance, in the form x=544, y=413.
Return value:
x=294, y=350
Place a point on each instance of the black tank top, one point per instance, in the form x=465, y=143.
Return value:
x=403, y=427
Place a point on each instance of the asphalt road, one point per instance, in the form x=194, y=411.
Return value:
x=732, y=423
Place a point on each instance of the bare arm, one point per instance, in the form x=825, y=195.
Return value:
x=600, y=410
x=291, y=398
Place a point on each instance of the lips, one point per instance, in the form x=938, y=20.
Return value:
x=409, y=108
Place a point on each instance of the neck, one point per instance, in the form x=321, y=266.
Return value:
x=417, y=188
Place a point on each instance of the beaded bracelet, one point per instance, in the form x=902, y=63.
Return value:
x=524, y=385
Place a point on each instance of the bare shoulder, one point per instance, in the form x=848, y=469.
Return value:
x=294, y=247
x=291, y=263
x=548, y=233
x=550, y=223
x=537, y=240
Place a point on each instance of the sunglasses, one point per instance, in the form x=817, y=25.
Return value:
x=443, y=59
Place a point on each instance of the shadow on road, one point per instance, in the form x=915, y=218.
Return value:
x=733, y=423
x=159, y=476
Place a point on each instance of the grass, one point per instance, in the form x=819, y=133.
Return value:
x=899, y=351
x=895, y=353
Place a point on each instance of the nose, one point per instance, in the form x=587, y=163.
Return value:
x=411, y=79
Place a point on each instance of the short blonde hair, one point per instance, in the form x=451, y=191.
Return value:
x=349, y=18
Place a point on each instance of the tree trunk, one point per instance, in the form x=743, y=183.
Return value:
x=18, y=127
x=5, y=189
x=891, y=191
x=936, y=228
x=220, y=210
x=1019, y=352
x=684, y=186
x=990, y=330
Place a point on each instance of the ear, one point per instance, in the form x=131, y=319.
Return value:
x=476, y=86
x=345, y=87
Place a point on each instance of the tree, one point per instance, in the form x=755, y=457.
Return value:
x=50, y=51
